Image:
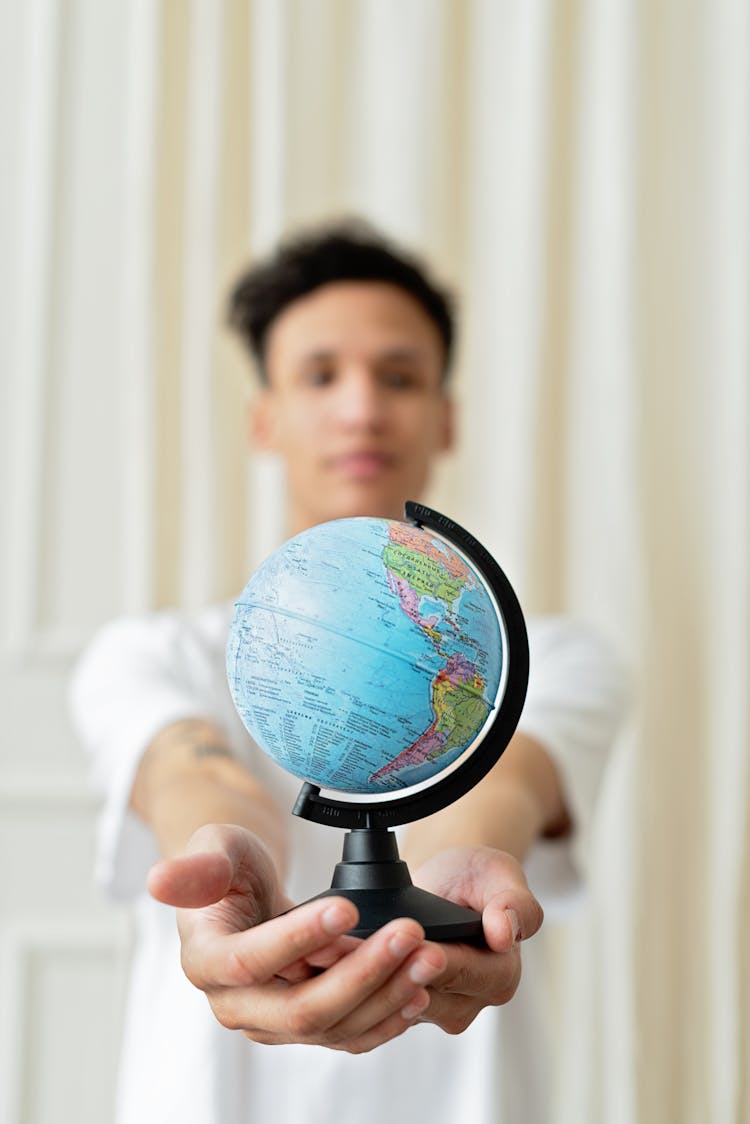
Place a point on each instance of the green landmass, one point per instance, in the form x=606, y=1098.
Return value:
x=425, y=575
x=460, y=711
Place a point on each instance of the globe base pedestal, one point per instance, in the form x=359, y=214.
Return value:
x=373, y=876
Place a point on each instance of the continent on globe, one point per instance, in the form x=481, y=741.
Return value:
x=460, y=711
x=365, y=655
x=418, y=567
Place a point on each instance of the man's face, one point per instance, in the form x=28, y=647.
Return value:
x=354, y=403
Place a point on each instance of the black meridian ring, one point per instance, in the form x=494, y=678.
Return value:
x=403, y=809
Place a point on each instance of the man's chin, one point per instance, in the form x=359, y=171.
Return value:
x=357, y=500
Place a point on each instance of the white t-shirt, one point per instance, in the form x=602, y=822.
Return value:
x=178, y=1063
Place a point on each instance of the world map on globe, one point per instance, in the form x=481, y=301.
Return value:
x=365, y=655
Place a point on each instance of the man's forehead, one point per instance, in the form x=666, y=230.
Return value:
x=370, y=317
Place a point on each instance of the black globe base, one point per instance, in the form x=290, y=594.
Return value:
x=373, y=876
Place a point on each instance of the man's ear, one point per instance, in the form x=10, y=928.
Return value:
x=259, y=420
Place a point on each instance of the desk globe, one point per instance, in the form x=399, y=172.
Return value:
x=385, y=662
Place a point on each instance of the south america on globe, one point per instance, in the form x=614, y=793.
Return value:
x=365, y=655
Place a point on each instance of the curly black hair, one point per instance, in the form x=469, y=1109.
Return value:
x=345, y=251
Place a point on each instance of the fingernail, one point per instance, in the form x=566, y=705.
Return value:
x=515, y=924
x=336, y=919
x=423, y=971
x=415, y=1006
x=401, y=944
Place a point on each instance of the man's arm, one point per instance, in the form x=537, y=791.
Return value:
x=520, y=799
x=258, y=976
x=259, y=966
x=188, y=777
x=265, y=978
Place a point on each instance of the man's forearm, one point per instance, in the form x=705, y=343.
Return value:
x=520, y=799
x=188, y=777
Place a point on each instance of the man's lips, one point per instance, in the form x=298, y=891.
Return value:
x=362, y=465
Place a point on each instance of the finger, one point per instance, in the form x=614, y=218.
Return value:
x=299, y=970
x=510, y=916
x=402, y=993
x=452, y=1013
x=309, y=1010
x=346, y=987
x=489, y=976
x=257, y=955
x=253, y=870
x=321, y=958
x=191, y=881
x=390, y=1028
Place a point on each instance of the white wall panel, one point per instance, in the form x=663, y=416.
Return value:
x=198, y=544
x=63, y=949
x=727, y=461
x=269, y=188
x=508, y=92
x=60, y=1019
x=63, y=525
x=134, y=363
x=81, y=517
x=24, y=420
x=46, y=837
x=394, y=123
x=268, y=93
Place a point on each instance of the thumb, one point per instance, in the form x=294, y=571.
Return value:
x=191, y=881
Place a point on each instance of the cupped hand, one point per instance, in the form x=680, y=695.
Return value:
x=493, y=883
x=294, y=976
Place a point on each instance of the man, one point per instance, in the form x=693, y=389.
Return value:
x=353, y=343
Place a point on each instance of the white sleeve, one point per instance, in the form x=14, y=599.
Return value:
x=135, y=678
x=578, y=695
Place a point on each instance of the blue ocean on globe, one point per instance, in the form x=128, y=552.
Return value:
x=365, y=655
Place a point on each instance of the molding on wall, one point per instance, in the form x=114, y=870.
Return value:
x=137, y=375
x=34, y=788
x=41, y=645
x=268, y=167
x=29, y=368
x=198, y=461
x=21, y=941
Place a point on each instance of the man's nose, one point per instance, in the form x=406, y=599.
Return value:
x=360, y=402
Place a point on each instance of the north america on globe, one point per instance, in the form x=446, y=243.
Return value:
x=365, y=655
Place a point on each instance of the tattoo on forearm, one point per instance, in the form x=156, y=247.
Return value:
x=209, y=750
x=193, y=738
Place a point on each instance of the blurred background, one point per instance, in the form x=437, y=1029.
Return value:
x=579, y=171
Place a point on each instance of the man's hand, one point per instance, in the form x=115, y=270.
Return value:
x=493, y=883
x=261, y=968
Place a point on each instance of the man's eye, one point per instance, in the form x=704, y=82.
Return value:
x=400, y=380
x=320, y=376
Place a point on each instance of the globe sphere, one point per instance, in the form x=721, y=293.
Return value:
x=365, y=656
